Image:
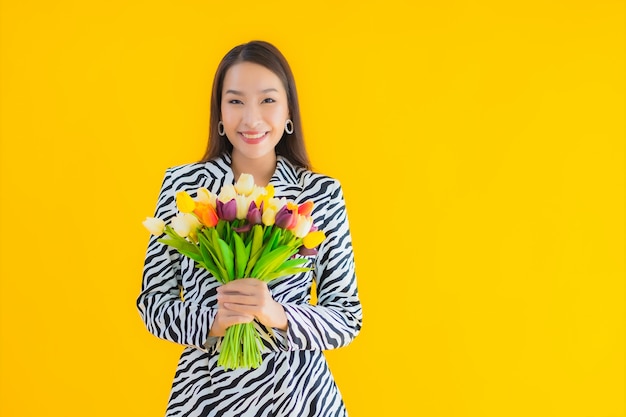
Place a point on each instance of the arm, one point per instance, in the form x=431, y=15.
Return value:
x=160, y=306
x=336, y=319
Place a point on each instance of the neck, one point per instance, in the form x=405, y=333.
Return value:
x=261, y=169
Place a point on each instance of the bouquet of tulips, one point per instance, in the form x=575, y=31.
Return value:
x=244, y=232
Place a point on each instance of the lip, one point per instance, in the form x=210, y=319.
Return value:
x=253, y=137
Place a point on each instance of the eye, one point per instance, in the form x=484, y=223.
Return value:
x=235, y=101
x=269, y=100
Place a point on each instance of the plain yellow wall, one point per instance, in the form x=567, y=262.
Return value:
x=481, y=149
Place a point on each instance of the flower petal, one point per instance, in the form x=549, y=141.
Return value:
x=313, y=239
x=184, y=202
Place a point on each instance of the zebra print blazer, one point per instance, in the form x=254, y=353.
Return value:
x=294, y=378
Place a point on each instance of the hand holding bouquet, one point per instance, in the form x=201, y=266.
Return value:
x=244, y=232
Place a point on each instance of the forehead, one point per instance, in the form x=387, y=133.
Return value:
x=250, y=77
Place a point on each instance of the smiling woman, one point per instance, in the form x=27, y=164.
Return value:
x=255, y=129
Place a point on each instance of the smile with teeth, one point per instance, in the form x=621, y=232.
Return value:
x=253, y=136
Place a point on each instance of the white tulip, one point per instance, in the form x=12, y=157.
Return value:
x=243, y=204
x=227, y=193
x=185, y=223
x=245, y=184
x=303, y=227
x=155, y=226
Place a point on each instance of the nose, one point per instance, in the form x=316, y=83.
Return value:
x=251, y=116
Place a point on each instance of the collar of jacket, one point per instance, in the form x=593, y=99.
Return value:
x=285, y=179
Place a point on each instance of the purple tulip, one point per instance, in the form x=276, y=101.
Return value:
x=284, y=218
x=242, y=229
x=307, y=252
x=227, y=211
x=254, y=214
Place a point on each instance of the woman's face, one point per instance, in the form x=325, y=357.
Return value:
x=254, y=110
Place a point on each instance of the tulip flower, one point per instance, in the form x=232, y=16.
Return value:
x=303, y=226
x=227, y=211
x=207, y=214
x=264, y=196
x=184, y=202
x=242, y=206
x=227, y=193
x=306, y=208
x=269, y=216
x=185, y=224
x=286, y=218
x=304, y=251
x=206, y=197
x=254, y=214
x=313, y=239
x=245, y=184
x=155, y=226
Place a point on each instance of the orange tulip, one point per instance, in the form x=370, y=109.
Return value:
x=207, y=214
x=306, y=208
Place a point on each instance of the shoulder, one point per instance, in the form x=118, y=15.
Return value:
x=325, y=191
x=197, y=174
x=304, y=178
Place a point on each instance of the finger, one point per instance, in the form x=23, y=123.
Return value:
x=226, y=313
x=243, y=285
x=239, y=299
x=237, y=319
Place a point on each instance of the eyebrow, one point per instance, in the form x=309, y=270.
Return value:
x=239, y=93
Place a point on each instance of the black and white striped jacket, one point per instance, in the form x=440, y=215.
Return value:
x=294, y=379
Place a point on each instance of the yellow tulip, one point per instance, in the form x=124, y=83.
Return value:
x=184, y=202
x=313, y=239
x=155, y=226
x=206, y=197
x=269, y=216
x=245, y=184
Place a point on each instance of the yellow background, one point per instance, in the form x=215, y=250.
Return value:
x=481, y=149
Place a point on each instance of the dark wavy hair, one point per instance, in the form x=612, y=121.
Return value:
x=291, y=146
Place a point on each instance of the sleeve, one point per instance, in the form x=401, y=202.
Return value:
x=336, y=319
x=160, y=305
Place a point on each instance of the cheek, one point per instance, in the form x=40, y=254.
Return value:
x=279, y=116
x=229, y=118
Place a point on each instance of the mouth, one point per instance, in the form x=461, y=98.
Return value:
x=253, y=137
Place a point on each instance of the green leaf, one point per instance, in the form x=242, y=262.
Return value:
x=206, y=244
x=283, y=273
x=257, y=238
x=256, y=247
x=215, y=239
x=241, y=256
x=294, y=262
x=271, y=242
x=181, y=244
x=229, y=258
x=209, y=263
x=271, y=261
